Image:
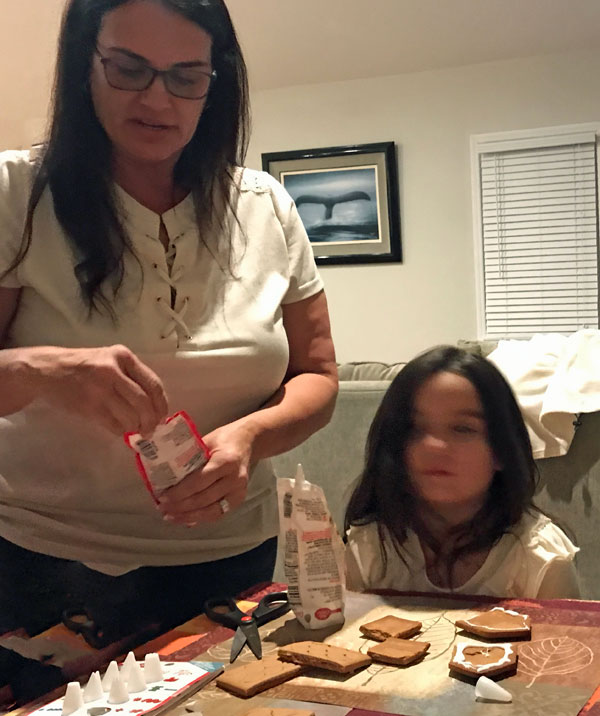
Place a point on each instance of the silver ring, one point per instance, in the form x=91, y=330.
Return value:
x=224, y=505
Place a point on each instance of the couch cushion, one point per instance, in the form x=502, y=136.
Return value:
x=369, y=370
x=480, y=348
x=376, y=370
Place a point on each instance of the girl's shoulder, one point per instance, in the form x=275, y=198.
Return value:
x=542, y=539
x=363, y=536
x=373, y=533
x=368, y=540
x=542, y=559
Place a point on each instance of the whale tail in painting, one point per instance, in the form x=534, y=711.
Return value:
x=329, y=201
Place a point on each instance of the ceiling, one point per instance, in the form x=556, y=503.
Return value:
x=292, y=42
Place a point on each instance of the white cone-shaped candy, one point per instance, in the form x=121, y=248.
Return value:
x=153, y=669
x=127, y=665
x=118, y=691
x=109, y=675
x=491, y=691
x=136, y=681
x=73, y=698
x=93, y=688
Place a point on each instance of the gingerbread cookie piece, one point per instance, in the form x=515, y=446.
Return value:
x=390, y=626
x=252, y=678
x=324, y=656
x=266, y=711
x=498, y=623
x=480, y=659
x=400, y=652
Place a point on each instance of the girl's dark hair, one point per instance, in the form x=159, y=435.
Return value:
x=383, y=493
x=76, y=160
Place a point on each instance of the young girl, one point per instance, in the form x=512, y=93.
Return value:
x=445, y=499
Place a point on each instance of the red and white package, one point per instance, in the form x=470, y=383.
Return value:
x=174, y=450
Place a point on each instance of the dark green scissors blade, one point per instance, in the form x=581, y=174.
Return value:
x=246, y=634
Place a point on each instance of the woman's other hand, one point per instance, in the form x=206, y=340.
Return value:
x=207, y=494
x=108, y=385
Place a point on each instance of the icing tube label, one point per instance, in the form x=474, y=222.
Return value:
x=314, y=554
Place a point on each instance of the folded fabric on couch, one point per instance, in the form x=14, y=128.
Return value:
x=555, y=378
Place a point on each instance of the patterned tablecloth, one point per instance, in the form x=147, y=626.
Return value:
x=558, y=673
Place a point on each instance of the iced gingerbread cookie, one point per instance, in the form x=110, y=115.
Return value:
x=498, y=623
x=480, y=659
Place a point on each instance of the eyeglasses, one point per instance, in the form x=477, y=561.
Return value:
x=133, y=75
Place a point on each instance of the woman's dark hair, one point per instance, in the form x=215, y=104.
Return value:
x=383, y=493
x=76, y=160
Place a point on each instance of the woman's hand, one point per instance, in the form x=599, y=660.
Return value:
x=108, y=385
x=200, y=496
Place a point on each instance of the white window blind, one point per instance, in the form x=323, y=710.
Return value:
x=539, y=234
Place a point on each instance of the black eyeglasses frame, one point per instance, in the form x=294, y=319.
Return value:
x=154, y=73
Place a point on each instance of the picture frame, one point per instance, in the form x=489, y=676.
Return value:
x=347, y=198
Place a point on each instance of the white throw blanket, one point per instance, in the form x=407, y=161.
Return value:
x=554, y=377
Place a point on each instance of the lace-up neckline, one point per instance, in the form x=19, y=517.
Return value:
x=171, y=276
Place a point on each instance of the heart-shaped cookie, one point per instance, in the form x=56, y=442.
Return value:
x=478, y=659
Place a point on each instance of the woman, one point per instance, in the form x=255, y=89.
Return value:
x=151, y=275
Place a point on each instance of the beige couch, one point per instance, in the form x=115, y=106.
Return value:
x=569, y=487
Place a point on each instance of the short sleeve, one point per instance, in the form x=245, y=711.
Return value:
x=550, y=558
x=304, y=277
x=15, y=185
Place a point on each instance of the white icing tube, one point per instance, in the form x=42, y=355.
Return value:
x=314, y=553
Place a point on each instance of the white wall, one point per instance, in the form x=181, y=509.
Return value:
x=28, y=32
x=390, y=312
x=379, y=312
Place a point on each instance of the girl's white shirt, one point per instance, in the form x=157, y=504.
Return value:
x=534, y=550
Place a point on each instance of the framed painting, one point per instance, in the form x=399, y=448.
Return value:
x=347, y=198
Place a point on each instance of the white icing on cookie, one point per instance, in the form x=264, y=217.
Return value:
x=524, y=626
x=463, y=659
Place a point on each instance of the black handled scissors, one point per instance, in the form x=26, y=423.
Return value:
x=81, y=622
x=225, y=611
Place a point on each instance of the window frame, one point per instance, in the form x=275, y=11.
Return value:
x=507, y=141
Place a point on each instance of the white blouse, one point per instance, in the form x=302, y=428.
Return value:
x=69, y=488
x=533, y=551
